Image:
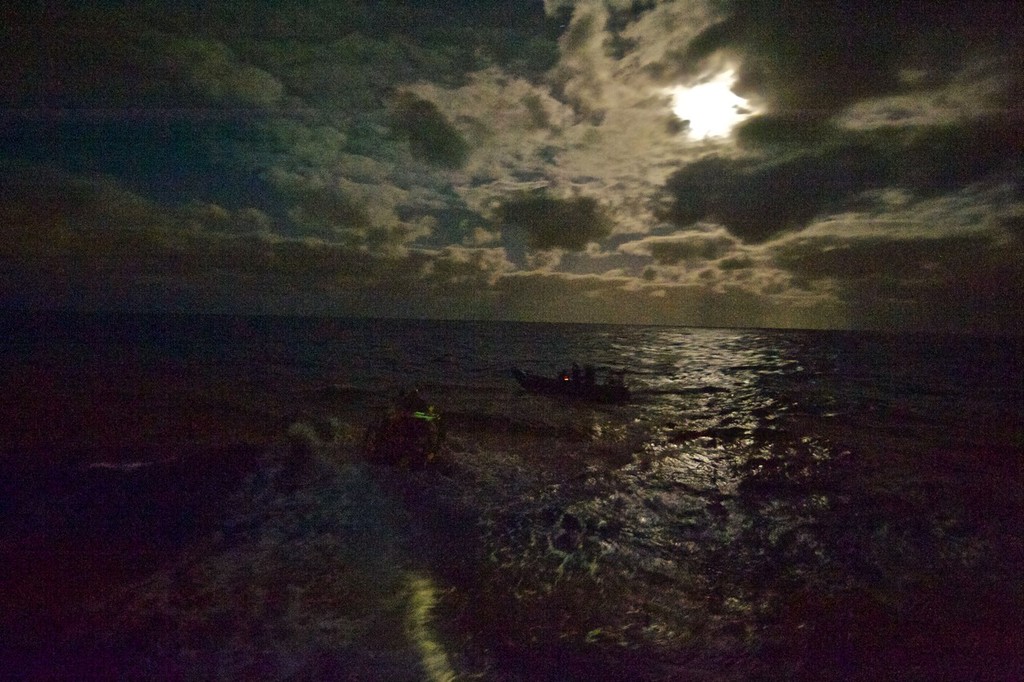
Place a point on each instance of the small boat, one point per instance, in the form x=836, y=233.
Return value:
x=611, y=391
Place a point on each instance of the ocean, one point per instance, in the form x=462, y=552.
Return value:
x=188, y=497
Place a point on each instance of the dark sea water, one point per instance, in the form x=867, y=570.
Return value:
x=770, y=505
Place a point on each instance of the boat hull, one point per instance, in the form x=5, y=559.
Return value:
x=567, y=388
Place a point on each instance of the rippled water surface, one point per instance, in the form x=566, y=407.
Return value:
x=771, y=504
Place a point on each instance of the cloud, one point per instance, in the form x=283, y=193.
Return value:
x=406, y=158
x=211, y=68
x=429, y=134
x=813, y=59
x=848, y=259
x=296, y=144
x=736, y=263
x=41, y=195
x=580, y=76
x=462, y=266
x=517, y=132
x=758, y=198
x=671, y=250
x=49, y=260
x=551, y=223
x=89, y=242
x=957, y=282
x=557, y=297
x=381, y=202
x=200, y=215
x=327, y=212
x=940, y=159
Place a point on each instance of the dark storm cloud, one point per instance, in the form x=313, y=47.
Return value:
x=70, y=242
x=431, y=137
x=107, y=57
x=848, y=259
x=941, y=159
x=957, y=282
x=758, y=198
x=812, y=59
x=121, y=89
x=171, y=157
x=95, y=267
x=551, y=223
x=780, y=132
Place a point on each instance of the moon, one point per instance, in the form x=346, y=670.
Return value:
x=710, y=108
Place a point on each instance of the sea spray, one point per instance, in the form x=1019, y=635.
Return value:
x=304, y=577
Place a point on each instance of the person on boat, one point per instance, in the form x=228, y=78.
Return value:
x=589, y=375
x=576, y=374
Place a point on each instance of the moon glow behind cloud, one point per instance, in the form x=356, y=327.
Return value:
x=711, y=108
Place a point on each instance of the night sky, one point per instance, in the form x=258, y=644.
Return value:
x=763, y=163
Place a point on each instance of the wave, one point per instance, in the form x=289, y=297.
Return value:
x=681, y=391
